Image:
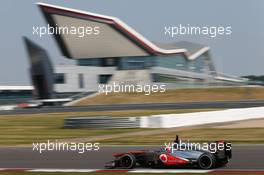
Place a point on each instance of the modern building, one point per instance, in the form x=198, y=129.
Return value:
x=114, y=52
x=15, y=94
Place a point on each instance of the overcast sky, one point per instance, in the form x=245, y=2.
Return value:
x=240, y=53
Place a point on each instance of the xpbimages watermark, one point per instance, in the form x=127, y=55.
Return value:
x=79, y=147
x=147, y=89
x=212, y=147
x=79, y=31
x=210, y=31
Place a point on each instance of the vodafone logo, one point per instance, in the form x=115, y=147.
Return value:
x=163, y=157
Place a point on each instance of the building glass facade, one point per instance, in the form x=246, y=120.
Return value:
x=201, y=65
x=129, y=63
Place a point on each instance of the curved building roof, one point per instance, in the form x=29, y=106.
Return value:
x=116, y=39
x=193, y=50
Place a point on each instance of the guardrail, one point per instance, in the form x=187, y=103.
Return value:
x=101, y=122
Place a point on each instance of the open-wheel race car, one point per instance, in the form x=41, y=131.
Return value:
x=217, y=155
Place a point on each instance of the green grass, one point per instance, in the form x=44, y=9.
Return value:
x=26, y=129
x=178, y=95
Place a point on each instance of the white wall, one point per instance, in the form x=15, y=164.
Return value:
x=90, y=74
x=200, y=118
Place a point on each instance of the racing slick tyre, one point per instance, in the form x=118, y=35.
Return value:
x=206, y=161
x=127, y=161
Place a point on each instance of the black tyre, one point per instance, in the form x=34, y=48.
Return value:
x=127, y=161
x=206, y=161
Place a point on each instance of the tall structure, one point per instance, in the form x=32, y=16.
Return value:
x=41, y=70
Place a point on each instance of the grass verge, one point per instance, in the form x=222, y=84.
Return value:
x=18, y=130
x=178, y=95
x=25, y=129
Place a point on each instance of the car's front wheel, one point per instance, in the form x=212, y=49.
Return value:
x=127, y=161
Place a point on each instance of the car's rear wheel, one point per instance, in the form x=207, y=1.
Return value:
x=206, y=161
x=127, y=161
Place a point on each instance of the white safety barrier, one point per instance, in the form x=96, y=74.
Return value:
x=200, y=118
x=7, y=107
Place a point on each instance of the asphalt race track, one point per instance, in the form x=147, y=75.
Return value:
x=244, y=157
x=187, y=105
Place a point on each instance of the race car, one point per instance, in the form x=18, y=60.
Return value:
x=192, y=156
